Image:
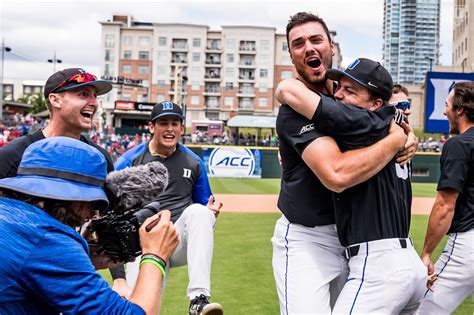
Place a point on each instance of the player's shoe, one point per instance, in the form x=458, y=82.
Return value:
x=200, y=306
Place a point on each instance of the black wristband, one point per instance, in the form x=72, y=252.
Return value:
x=117, y=272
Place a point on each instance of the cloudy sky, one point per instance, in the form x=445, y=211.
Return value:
x=35, y=30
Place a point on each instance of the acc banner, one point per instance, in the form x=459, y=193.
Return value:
x=438, y=86
x=232, y=162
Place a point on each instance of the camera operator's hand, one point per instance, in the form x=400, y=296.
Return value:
x=162, y=238
x=99, y=260
x=214, y=206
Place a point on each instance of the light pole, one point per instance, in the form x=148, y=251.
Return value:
x=431, y=62
x=54, y=61
x=4, y=49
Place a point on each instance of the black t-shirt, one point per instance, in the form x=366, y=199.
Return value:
x=380, y=207
x=457, y=172
x=178, y=195
x=11, y=153
x=303, y=199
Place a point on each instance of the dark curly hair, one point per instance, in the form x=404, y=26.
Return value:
x=464, y=97
x=302, y=18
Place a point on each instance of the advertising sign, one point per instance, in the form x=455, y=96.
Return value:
x=438, y=86
x=233, y=162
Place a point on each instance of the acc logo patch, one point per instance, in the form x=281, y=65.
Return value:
x=231, y=162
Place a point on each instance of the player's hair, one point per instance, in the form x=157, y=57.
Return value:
x=302, y=18
x=61, y=210
x=464, y=97
x=373, y=97
x=397, y=88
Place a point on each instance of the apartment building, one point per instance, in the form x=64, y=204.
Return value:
x=463, y=38
x=411, y=38
x=216, y=74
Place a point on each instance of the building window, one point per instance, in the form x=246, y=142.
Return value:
x=126, y=69
x=229, y=72
x=126, y=97
x=195, y=71
x=195, y=85
x=196, y=56
x=160, y=98
x=263, y=73
x=161, y=70
x=144, y=41
x=108, y=70
x=196, y=42
x=264, y=44
x=160, y=84
x=162, y=56
x=142, y=98
x=230, y=58
x=8, y=92
x=262, y=102
x=142, y=69
x=109, y=41
x=127, y=54
x=128, y=40
x=284, y=46
x=109, y=55
x=264, y=58
x=143, y=55
x=229, y=86
x=194, y=100
x=230, y=43
x=263, y=87
x=161, y=41
x=286, y=75
x=229, y=101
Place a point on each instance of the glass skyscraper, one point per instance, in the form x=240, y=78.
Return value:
x=411, y=38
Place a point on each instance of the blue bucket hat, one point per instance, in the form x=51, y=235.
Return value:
x=61, y=168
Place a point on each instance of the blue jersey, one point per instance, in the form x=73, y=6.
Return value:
x=46, y=268
x=187, y=183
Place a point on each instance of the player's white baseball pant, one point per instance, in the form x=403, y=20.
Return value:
x=455, y=269
x=384, y=278
x=195, y=227
x=308, y=266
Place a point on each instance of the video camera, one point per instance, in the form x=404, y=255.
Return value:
x=132, y=195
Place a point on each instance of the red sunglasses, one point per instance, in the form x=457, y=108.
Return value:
x=78, y=78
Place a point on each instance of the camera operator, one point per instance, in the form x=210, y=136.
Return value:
x=46, y=267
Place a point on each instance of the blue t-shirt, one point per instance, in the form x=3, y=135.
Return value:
x=45, y=267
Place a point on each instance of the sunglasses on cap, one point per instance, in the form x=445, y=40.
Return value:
x=77, y=78
x=403, y=105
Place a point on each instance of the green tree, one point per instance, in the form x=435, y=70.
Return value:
x=38, y=102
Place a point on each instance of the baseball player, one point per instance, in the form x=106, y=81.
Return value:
x=372, y=218
x=307, y=263
x=453, y=211
x=188, y=196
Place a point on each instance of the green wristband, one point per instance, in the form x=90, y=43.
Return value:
x=156, y=263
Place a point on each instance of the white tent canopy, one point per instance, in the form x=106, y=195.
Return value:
x=252, y=121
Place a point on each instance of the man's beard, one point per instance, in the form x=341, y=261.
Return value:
x=454, y=126
x=319, y=81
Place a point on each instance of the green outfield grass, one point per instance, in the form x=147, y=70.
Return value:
x=272, y=186
x=242, y=277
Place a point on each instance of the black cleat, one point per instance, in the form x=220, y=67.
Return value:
x=200, y=306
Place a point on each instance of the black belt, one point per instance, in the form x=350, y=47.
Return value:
x=353, y=250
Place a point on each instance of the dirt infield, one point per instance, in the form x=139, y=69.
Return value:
x=268, y=203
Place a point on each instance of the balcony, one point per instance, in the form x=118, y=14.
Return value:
x=180, y=62
x=246, y=108
x=246, y=78
x=214, y=49
x=213, y=63
x=212, y=78
x=246, y=93
x=247, y=65
x=211, y=92
x=248, y=50
x=179, y=48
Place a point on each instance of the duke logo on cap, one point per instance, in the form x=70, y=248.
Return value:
x=166, y=109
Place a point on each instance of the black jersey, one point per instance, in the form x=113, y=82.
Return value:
x=11, y=153
x=380, y=207
x=457, y=172
x=303, y=198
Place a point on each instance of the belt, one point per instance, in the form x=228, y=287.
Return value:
x=378, y=245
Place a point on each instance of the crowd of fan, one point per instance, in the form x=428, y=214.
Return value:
x=17, y=125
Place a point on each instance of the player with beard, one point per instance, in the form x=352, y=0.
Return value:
x=308, y=266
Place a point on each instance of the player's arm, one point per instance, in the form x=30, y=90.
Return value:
x=339, y=171
x=298, y=96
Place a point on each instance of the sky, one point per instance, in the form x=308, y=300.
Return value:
x=35, y=31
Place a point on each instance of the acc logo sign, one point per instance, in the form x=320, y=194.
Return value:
x=231, y=162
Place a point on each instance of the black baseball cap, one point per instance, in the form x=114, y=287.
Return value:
x=72, y=78
x=368, y=73
x=166, y=109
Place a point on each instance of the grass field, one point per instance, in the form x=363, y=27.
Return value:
x=272, y=186
x=242, y=277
